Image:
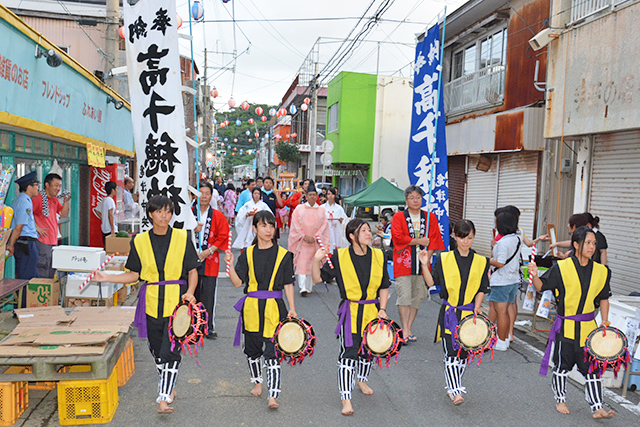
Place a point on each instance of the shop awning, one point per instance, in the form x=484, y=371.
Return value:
x=379, y=193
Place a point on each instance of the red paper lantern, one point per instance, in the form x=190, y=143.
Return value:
x=283, y=112
x=214, y=92
x=235, y=148
x=244, y=105
x=226, y=122
x=179, y=20
x=232, y=102
x=263, y=118
x=250, y=140
x=288, y=136
x=257, y=135
x=307, y=101
x=304, y=107
x=293, y=135
x=215, y=138
x=235, y=140
x=251, y=121
x=259, y=111
x=223, y=124
x=233, y=154
x=121, y=32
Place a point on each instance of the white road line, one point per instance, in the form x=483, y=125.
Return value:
x=608, y=393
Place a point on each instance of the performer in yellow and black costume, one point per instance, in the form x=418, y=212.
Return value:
x=165, y=259
x=580, y=286
x=266, y=270
x=363, y=281
x=464, y=280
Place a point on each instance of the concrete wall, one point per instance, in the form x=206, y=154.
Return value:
x=601, y=92
x=392, y=130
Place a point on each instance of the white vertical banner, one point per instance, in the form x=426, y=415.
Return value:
x=153, y=65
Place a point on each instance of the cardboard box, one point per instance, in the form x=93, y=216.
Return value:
x=122, y=295
x=121, y=245
x=4, y=238
x=87, y=302
x=77, y=258
x=74, y=280
x=43, y=292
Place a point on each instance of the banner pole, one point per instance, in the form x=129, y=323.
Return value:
x=435, y=139
x=195, y=118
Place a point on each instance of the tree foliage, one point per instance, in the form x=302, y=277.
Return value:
x=287, y=152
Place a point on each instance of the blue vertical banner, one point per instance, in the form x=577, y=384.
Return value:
x=427, y=115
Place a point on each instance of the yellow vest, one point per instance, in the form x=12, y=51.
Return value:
x=354, y=290
x=172, y=270
x=251, y=310
x=573, y=293
x=452, y=280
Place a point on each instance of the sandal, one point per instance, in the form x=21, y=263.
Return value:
x=412, y=338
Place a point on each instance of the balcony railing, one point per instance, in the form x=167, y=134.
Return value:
x=584, y=8
x=476, y=90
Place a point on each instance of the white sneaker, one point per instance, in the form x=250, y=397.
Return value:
x=501, y=345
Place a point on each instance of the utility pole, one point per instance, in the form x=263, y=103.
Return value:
x=312, y=125
x=112, y=49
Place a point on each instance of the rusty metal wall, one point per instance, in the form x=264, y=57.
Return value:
x=509, y=130
x=521, y=59
x=457, y=182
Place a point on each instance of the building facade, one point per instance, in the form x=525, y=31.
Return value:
x=593, y=107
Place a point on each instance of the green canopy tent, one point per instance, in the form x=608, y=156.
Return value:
x=379, y=193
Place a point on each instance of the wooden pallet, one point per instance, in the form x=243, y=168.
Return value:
x=47, y=368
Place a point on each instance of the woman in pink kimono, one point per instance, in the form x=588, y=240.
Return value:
x=308, y=220
x=229, y=203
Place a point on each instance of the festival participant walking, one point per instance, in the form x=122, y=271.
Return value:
x=409, y=235
x=166, y=260
x=463, y=277
x=580, y=286
x=213, y=237
x=244, y=219
x=364, y=283
x=245, y=196
x=266, y=270
x=271, y=196
x=335, y=215
x=308, y=221
x=230, y=199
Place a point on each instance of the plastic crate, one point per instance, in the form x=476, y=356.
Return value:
x=125, y=365
x=87, y=401
x=33, y=385
x=14, y=398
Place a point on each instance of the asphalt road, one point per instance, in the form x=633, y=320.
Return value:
x=213, y=389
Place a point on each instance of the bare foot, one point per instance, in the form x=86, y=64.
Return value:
x=457, y=399
x=364, y=387
x=563, y=409
x=347, y=409
x=601, y=413
x=273, y=404
x=257, y=390
x=164, y=408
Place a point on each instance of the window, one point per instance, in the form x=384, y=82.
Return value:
x=483, y=52
x=332, y=126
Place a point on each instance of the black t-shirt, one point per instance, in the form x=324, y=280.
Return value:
x=362, y=265
x=264, y=261
x=271, y=201
x=601, y=243
x=160, y=245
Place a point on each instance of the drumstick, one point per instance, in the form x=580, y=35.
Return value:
x=533, y=258
x=326, y=255
x=86, y=282
x=229, y=263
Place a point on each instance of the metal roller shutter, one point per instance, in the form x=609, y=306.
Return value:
x=457, y=180
x=480, y=201
x=614, y=195
x=518, y=186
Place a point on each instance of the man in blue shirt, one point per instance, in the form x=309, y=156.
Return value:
x=245, y=196
x=22, y=243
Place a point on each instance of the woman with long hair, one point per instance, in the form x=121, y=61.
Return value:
x=229, y=203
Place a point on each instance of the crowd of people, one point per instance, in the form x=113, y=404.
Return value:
x=269, y=274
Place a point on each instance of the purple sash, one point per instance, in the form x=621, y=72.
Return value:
x=345, y=318
x=140, y=319
x=555, y=328
x=451, y=320
x=240, y=304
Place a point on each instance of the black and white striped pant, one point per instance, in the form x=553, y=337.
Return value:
x=565, y=356
x=454, y=367
x=256, y=347
x=352, y=366
x=168, y=373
